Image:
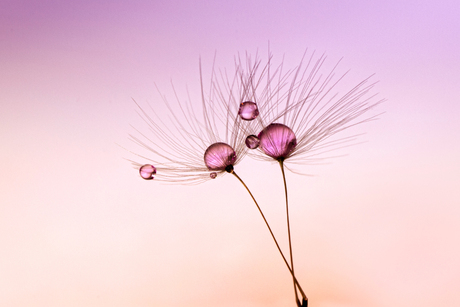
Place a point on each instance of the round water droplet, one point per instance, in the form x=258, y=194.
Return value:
x=147, y=171
x=248, y=110
x=277, y=141
x=218, y=156
x=252, y=142
x=213, y=175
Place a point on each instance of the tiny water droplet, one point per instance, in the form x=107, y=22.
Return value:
x=277, y=140
x=147, y=171
x=218, y=156
x=213, y=175
x=252, y=141
x=248, y=110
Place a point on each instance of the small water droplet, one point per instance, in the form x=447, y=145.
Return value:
x=147, y=171
x=277, y=141
x=213, y=175
x=252, y=142
x=248, y=110
x=218, y=156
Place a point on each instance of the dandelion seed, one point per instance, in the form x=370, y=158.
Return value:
x=191, y=149
x=304, y=106
x=192, y=140
x=300, y=112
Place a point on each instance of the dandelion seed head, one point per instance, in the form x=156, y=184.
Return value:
x=147, y=171
x=300, y=115
x=199, y=138
x=277, y=141
x=304, y=111
x=252, y=141
x=218, y=156
x=248, y=110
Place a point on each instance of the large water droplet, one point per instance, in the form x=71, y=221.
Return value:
x=252, y=142
x=147, y=171
x=218, y=156
x=277, y=141
x=213, y=175
x=248, y=110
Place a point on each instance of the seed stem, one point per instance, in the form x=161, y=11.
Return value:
x=273, y=236
x=305, y=300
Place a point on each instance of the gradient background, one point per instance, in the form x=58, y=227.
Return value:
x=78, y=227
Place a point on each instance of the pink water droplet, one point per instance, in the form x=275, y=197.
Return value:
x=277, y=141
x=248, y=110
x=252, y=142
x=147, y=171
x=213, y=175
x=218, y=156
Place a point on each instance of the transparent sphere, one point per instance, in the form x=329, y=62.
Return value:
x=213, y=175
x=277, y=141
x=218, y=156
x=147, y=171
x=248, y=110
x=252, y=142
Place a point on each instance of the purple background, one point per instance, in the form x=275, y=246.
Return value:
x=78, y=227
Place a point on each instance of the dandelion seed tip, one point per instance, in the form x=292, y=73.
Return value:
x=147, y=171
x=229, y=169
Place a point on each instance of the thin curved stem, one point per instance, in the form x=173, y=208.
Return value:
x=288, y=228
x=273, y=236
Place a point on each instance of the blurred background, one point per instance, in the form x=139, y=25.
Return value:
x=79, y=227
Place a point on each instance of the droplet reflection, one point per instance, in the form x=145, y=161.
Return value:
x=213, y=175
x=248, y=110
x=147, y=171
x=277, y=141
x=252, y=142
x=218, y=156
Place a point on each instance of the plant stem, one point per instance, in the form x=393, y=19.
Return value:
x=281, y=162
x=273, y=236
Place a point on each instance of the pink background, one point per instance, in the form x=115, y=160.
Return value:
x=78, y=227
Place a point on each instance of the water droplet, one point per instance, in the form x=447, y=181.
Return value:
x=252, y=142
x=218, y=156
x=277, y=141
x=147, y=171
x=213, y=175
x=248, y=110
